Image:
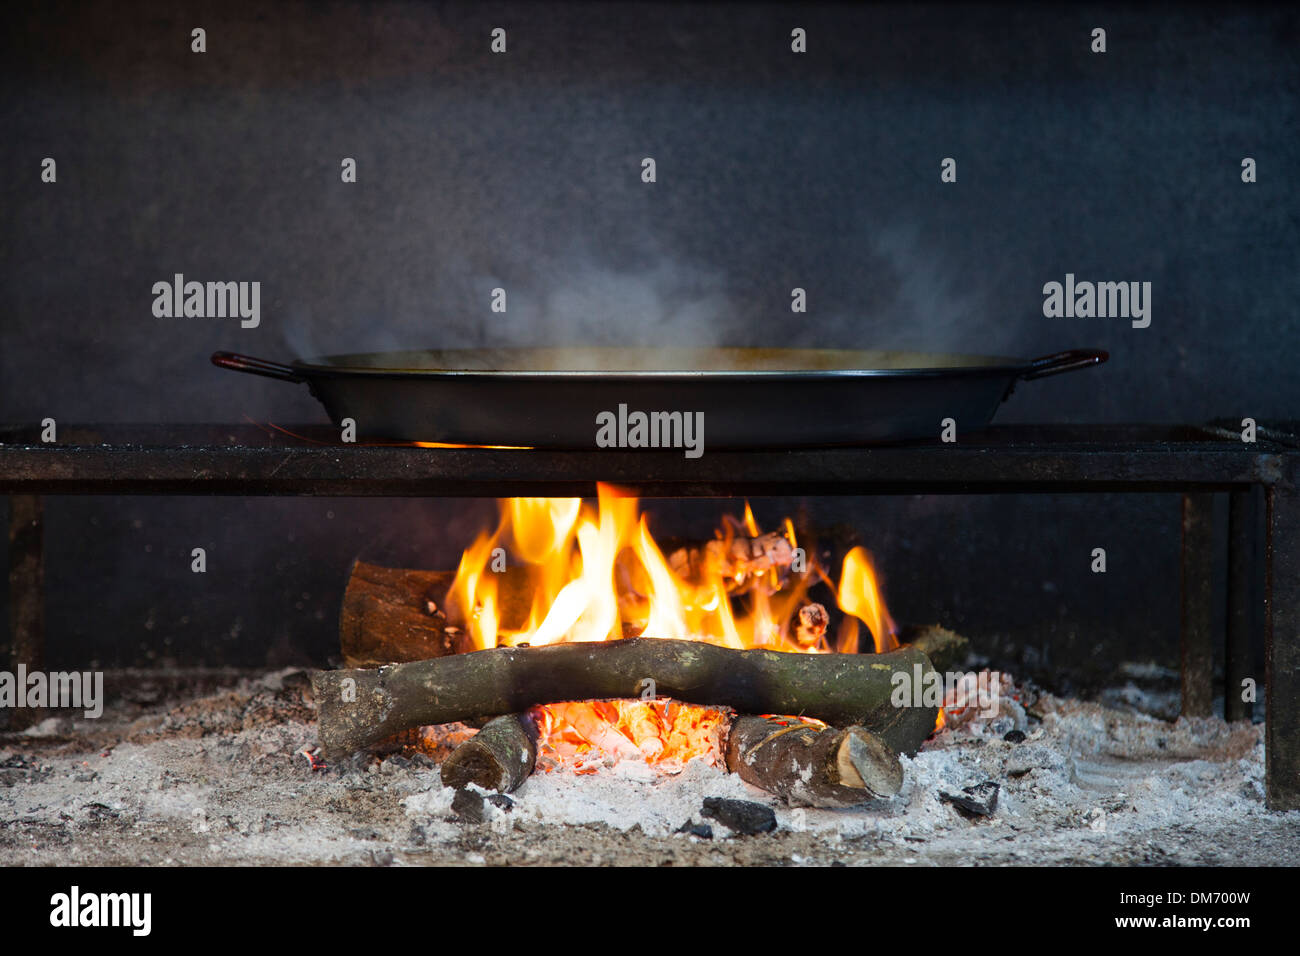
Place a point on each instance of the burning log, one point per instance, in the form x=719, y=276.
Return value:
x=359, y=707
x=391, y=615
x=812, y=623
x=396, y=615
x=499, y=757
x=812, y=765
x=743, y=562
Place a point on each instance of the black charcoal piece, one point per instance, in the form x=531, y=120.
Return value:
x=740, y=816
x=978, y=801
x=701, y=830
x=468, y=806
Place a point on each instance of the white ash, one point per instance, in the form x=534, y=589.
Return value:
x=219, y=779
x=1164, y=704
x=1086, y=770
x=985, y=703
x=631, y=794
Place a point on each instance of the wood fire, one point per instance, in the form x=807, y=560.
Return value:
x=504, y=637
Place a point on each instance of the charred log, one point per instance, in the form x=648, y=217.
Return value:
x=811, y=624
x=501, y=756
x=813, y=765
x=396, y=615
x=391, y=615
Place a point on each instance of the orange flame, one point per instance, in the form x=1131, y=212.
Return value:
x=860, y=596
x=597, y=574
x=474, y=593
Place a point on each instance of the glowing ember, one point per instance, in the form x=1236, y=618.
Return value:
x=584, y=736
x=597, y=574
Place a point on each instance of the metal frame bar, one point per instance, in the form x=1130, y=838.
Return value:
x=1282, y=650
x=1238, y=657
x=26, y=643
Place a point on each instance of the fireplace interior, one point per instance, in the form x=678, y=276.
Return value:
x=629, y=743
x=304, y=631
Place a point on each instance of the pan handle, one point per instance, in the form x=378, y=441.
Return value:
x=256, y=366
x=1063, y=362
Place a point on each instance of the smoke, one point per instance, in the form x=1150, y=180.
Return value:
x=665, y=303
x=569, y=296
x=574, y=295
x=938, y=302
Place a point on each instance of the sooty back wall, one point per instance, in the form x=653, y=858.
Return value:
x=522, y=171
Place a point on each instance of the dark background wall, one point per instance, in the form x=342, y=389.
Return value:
x=522, y=171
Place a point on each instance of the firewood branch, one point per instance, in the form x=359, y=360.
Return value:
x=359, y=707
x=810, y=765
x=499, y=757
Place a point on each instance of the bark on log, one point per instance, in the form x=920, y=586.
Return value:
x=359, y=707
x=396, y=615
x=813, y=766
x=391, y=615
x=515, y=588
x=499, y=757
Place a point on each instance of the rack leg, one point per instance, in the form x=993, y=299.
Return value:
x=1282, y=650
x=1197, y=610
x=26, y=643
x=1238, y=658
